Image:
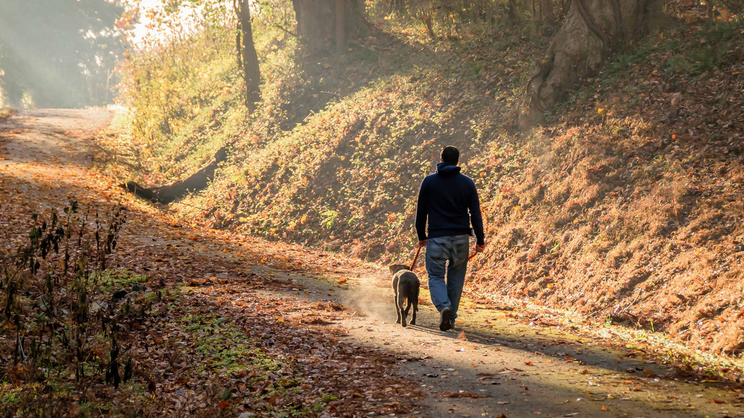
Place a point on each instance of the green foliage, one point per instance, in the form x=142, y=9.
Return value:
x=6, y=112
x=112, y=280
x=175, y=97
x=186, y=92
x=51, y=291
x=9, y=398
x=443, y=19
x=329, y=218
x=59, y=54
x=703, y=53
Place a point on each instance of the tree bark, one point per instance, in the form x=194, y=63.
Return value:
x=591, y=30
x=321, y=24
x=247, y=57
x=512, y=11
x=546, y=6
x=340, y=26
x=427, y=19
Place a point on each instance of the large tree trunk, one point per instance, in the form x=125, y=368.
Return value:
x=591, y=30
x=319, y=27
x=247, y=57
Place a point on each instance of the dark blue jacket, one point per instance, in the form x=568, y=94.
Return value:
x=450, y=202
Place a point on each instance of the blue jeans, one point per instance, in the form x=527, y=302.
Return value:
x=439, y=251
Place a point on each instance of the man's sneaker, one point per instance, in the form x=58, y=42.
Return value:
x=445, y=322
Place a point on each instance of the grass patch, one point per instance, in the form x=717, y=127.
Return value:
x=121, y=278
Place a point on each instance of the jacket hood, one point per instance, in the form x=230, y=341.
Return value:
x=447, y=169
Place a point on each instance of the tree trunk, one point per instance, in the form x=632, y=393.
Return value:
x=247, y=57
x=396, y=5
x=546, y=6
x=340, y=26
x=591, y=30
x=319, y=27
x=427, y=18
x=512, y=10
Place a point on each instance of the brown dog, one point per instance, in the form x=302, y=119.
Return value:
x=406, y=286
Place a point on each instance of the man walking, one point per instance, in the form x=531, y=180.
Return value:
x=450, y=202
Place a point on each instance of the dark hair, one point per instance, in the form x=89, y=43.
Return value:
x=450, y=155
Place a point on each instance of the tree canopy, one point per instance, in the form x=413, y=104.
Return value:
x=60, y=53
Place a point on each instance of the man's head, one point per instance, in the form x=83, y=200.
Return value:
x=450, y=155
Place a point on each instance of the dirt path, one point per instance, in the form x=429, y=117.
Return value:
x=495, y=364
x=329, y=318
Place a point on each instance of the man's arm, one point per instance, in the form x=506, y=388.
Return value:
x=476, y=219
x=422, y=211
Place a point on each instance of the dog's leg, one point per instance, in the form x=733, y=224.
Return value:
x=396, y=291
x=415, y=305
x=403, y=313
x=397, y=307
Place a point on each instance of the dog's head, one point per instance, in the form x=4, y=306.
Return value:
x=397, y=267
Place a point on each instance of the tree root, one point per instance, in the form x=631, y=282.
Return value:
x=167, y=194
x=592, y=25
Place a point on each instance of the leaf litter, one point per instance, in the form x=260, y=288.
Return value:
x=212, y=345
x=216, y=303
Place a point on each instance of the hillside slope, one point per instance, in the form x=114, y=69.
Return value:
x=624, y=206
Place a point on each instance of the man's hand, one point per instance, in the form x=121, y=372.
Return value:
x=480, y=248
x=422, y=243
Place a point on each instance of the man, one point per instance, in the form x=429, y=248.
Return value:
x=450, y=202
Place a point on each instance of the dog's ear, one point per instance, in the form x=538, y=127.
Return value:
x=397, y=267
